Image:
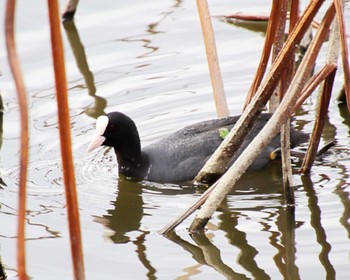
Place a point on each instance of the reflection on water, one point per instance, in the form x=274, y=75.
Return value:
x=127, y=211
x=2, y=271
x=2, y=183
x=79, y=53
x=315, y=220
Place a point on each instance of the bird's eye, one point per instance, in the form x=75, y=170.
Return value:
x=112, y=127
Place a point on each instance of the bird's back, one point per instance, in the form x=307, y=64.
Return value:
x=181, y=155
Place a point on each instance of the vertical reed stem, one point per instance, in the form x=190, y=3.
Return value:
x=319, y=124
x=65, y=140
x=270, y=35
x=213, y=61
x=344, y=49
x=22, y=99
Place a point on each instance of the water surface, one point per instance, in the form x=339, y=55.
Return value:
x=148, y=61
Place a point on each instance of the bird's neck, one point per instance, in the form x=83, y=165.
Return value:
x=131, y=161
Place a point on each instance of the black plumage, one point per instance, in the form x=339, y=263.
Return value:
x=179, y=156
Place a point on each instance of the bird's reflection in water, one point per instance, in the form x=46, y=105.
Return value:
x=126, y=212
x=125, y=217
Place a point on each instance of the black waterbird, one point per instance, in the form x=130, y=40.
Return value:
x=181, y=155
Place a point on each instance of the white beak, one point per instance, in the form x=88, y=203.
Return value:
x=97, y=141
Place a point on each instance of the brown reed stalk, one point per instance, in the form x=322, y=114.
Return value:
x=282, y=88
x=309, y=88
x=213, y=60
x=294, y=14
x=319, y=124
x=313, y=83
x=344, y=49
x=219, y=161
x=199, y=223
x=284, y=111
x=65, y=140
x=22, y=99
x=265, y=56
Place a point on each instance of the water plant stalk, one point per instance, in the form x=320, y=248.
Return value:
x=229, y=179
x=319, y=124
x=213, y=60
x=344, y=49
x=22, y=99
x=309, y=88
x=265, y=56
x=65, y=141
x=219, y=161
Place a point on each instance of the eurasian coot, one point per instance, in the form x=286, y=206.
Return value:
x=181, y=155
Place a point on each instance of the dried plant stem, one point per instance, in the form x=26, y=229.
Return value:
x=344, y=49
x=270, y=36
x=229, y=179
x=179, y=219
x=70, y=9
x=22, y=99
x=319, y=124
x=294, y=14
x=213, y=61
x=283, y=85
x=313, y=83
x=308, y=90
x=219, y=161
x=65, y=140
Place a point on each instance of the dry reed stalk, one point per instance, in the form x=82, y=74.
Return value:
x=294, y=14
x=270, y=37
x=213, y=60
x=69, y=9
x=65, y=140
x=219, y=161
x=281, y=19
x=319, y=124
x=313, y=83
x=22, y=99
x=184, y=215
x=344, y=49
x=284, y=111
x=309, y=88
x=283, y=85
